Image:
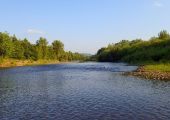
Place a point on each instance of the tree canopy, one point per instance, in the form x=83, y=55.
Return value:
x=156, y=49
x=12, y=47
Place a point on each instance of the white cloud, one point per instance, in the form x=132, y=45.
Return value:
x=34, y=31
x=158, y=4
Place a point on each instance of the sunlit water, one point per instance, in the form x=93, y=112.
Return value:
x=81, y=91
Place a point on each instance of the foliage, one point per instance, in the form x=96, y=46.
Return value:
x=41, y=47
x=58, y=48
x=138, y=51
x=13, y=48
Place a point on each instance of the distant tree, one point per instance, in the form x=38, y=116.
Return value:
x=163, y=35
x=12, y=47
x=29, y=50
x=18, y=50
x=100, y=50
x=154, y=50
x=58, y=48
x=6, y=45
x=42, y=49
x=14, y=38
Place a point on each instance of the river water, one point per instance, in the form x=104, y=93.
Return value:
x=81, y=91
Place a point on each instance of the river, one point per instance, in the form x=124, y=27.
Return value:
x=81, y=91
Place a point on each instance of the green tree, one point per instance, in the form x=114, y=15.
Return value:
x=29, y=50
x=156, y=49
x=12, y=47
x=58, y=48
x=18, y=50
x=42, y=48
x=5, y=45
x=163, y=35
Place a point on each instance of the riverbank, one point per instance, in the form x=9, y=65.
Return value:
x=154, y=72
x=14, y=63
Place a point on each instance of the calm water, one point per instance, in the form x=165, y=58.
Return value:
x=81, y=91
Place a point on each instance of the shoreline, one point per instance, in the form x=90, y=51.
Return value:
x=142, y=72
x=7, y=63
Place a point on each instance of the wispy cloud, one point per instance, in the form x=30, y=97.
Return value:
x=35, y=31
x=158, y=4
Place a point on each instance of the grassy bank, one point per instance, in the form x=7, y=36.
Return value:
x=14, y=62
x=158, y=67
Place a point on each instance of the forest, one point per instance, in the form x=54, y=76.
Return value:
x=13, y=48
x=154, y=50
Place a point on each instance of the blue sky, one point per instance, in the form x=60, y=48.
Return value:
x=84, y=25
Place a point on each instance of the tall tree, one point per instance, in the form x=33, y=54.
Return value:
x=58, y=48
x=42, y=48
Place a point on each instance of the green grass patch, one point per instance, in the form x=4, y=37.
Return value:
x=158, y=67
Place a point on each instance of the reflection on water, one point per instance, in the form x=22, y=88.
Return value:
x=81, y=91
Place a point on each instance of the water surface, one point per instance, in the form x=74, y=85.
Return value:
x=81, y=91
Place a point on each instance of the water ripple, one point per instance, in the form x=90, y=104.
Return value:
x=84, y=91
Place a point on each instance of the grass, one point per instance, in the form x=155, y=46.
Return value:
x=161, y=67
x=14, y=62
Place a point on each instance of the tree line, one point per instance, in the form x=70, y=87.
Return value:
x=12, y=47
x=156, y=49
